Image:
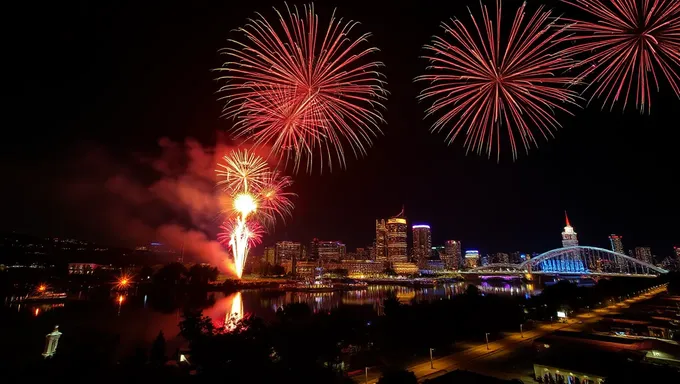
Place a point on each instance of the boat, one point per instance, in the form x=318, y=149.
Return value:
x=310, y=286
x=44, y=296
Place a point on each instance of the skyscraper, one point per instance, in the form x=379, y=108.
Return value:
x=471, y=259
x=617, y=243
x=380, y=241
x=569, y=238
x=452, y=254
x=287, y=253
x=397, y=248
x=422, y=244
x=331, y=251
x=644, y=254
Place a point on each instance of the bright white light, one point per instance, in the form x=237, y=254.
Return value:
x=244, y=203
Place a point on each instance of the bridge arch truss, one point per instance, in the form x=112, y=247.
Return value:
x=588, y=260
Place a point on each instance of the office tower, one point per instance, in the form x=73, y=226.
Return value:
x=644, y=254
x=380, y=248
x=452, y=254
x=471, y=258
x=314, y=249
x=397, y=248
x=288, y=252
x=269, y=255
x=616, y=242
x=569, y=238
x=422, y=244
x=331, y=251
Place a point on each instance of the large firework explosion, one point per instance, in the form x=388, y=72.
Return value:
x=627, y=45
x=485, y=84
x=257, y=199
x=305, y=91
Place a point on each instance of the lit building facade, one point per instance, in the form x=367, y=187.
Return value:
x=616, y=242
x=288, y=253
x=569, y=238
x=380, y=247
x=397, y=248
x=471, y=259
x=328, y=251
x=452, y=254
x=422, y=244
x=644, y=254
x=269, y=255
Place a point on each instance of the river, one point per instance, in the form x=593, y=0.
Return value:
x=137, y=319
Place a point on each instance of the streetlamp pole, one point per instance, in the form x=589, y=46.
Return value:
x=521, y=332
x=487, y=340
x=366, y=375
x=431, y=361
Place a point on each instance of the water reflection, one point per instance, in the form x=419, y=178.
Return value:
x=264, y=303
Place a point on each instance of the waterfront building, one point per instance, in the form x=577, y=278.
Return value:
x=287, y=253
x=422, y=244
x=380, y=247
x=569, y=238
x=328, y=251
x=452, y=254
x=616, y=242
x=397, y=248
x=404, y=268
x=471, y=259
x=269, y=255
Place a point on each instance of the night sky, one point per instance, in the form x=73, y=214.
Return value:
x=114, y=79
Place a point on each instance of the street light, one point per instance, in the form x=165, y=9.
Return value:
x=487, y=340
x=366, y=375
x=431, y=361
x=521, y=332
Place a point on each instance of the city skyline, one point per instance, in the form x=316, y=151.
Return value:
x=107, y=142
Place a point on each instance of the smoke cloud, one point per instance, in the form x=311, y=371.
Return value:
x=170, y=197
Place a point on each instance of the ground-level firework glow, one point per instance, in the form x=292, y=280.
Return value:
x=258, y=198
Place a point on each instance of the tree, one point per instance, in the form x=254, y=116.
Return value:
x=157, y=354
x=172, y=273
x=398, y=376
x=195, y=325
x=202, y=274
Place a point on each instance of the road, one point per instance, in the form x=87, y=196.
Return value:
x=476, y=354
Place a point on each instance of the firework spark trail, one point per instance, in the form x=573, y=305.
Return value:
x=257, y=198
x=626, y=45
x=302, y=90
x=485, y=80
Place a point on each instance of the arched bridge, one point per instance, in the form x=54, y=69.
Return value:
x=580, y=260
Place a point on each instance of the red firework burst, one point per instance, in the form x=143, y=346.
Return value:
x=626, y=45
x=303, y=90
x=253, y=232
x=487, y=83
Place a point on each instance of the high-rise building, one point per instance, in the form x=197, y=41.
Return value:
x=644, y=254
x=471, y=258
x=569, y=238
x=331, y=251
x=287, y=253
x=269, y=255
x=617, y=243
x=397, y=248
x=313, y=249
x=422, y=244
x=380, y=247
x=452, y=254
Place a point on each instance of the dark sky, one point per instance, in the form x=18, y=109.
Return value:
x=121, y=75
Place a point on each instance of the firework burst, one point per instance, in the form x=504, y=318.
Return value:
x=489, y=85
x=626, y=48
x=257, y=197
x=303, y=90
